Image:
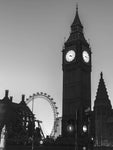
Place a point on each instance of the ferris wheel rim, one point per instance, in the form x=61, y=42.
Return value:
x=48, y=98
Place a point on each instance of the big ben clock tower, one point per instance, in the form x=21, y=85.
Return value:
x=76, y=68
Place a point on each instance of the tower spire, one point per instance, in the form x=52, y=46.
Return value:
x=77, y=19
x=102, y=91
x=102, y=97
x=76, y=30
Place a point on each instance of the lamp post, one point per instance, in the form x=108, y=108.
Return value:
x=76, y=144
x=32, y=126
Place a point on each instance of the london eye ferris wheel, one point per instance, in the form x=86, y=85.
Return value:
x=45, y=97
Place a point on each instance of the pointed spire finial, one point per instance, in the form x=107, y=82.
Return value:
x=101, y=74
x=77, y=7
x=77, y=21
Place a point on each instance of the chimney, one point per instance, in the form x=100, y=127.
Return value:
x=23, y=97
x=11, y=98
x=6, y=93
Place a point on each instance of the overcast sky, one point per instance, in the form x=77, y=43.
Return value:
x=32, y=34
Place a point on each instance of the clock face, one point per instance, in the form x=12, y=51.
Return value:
x=86, y=56
x=70, y=55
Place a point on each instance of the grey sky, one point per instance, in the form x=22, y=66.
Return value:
x=31, y=38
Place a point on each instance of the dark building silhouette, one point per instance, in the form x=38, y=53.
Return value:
x=77, y=96
x=18, y=119
x=76, y=82
x=103, y=116
x=77, y=93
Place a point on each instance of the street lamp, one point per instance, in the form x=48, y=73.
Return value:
x=70, y=128
x=84, y=148
x=85, y=128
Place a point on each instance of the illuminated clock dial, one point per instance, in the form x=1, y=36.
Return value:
x=70, y=55
x=85, y=56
